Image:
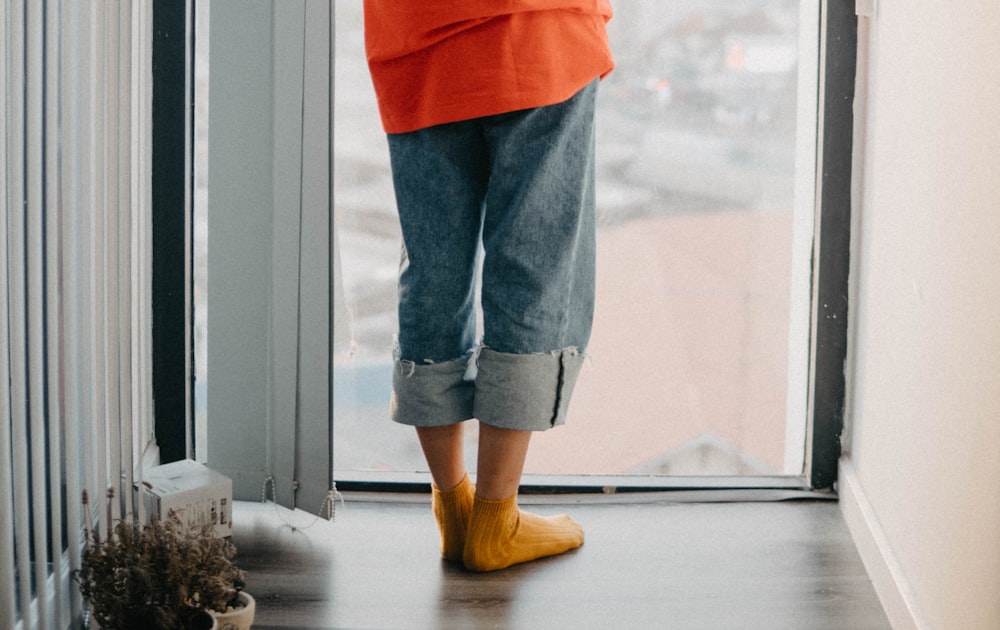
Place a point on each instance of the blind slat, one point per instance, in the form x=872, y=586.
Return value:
x=109, y=270
x=34, y=264
x=15, y=298
x=123, y=236
x=52, y=279
x=72, y=193
x=8, y=594
x=95, y=254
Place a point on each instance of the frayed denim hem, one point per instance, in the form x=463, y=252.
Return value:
x=432, y=394
x=525, y=392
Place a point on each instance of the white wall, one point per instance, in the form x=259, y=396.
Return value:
x=924, y=372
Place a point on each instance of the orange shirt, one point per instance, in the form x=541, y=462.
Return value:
x=439, y=61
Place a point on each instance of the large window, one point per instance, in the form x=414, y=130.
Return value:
x=706, y=153
x=718, y=342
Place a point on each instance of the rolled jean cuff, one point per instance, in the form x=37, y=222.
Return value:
x=525, y=392
x=432, y=394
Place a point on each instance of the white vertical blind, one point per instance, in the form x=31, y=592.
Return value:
x=75, y=398
x=71, y=191
x=268, y=328
x=8, y=126
x=52, y=251
x=8, y=601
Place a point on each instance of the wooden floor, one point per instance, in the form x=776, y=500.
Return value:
x=648, y=562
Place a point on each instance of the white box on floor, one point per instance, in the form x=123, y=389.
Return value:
x=197, y=494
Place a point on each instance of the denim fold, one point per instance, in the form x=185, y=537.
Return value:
x=525, y=392
x=431, y=394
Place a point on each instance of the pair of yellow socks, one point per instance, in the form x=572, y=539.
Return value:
x=487, y=535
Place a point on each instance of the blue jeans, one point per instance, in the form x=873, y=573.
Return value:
x=521, y=184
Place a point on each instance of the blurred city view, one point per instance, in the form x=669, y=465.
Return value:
x=700, y=132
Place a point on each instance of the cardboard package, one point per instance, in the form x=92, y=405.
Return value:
x=197, y=494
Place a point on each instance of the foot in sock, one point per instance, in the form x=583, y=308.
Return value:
x=500, y=535
x=452, y=509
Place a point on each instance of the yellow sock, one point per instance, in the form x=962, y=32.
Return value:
x=500, y=535
x=452, y=510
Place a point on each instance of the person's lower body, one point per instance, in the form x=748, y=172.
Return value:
x=512, y=194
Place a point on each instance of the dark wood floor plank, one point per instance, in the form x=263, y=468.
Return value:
x=647, y=565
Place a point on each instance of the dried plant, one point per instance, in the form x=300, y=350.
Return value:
x=157, y=575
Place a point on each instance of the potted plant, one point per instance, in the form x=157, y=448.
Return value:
x=238, y=617
x=159, y=575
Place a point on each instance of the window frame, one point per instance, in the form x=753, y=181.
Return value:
x=171, y=272
x=831, y=257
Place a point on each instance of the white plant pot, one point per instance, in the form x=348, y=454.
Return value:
x=237, y=618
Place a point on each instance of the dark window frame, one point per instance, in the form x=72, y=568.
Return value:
x=170, y=281
x=831, y=257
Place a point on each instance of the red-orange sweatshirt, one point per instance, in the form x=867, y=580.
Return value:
x=439, y=61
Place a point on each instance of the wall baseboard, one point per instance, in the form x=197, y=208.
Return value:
x=898, y=600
